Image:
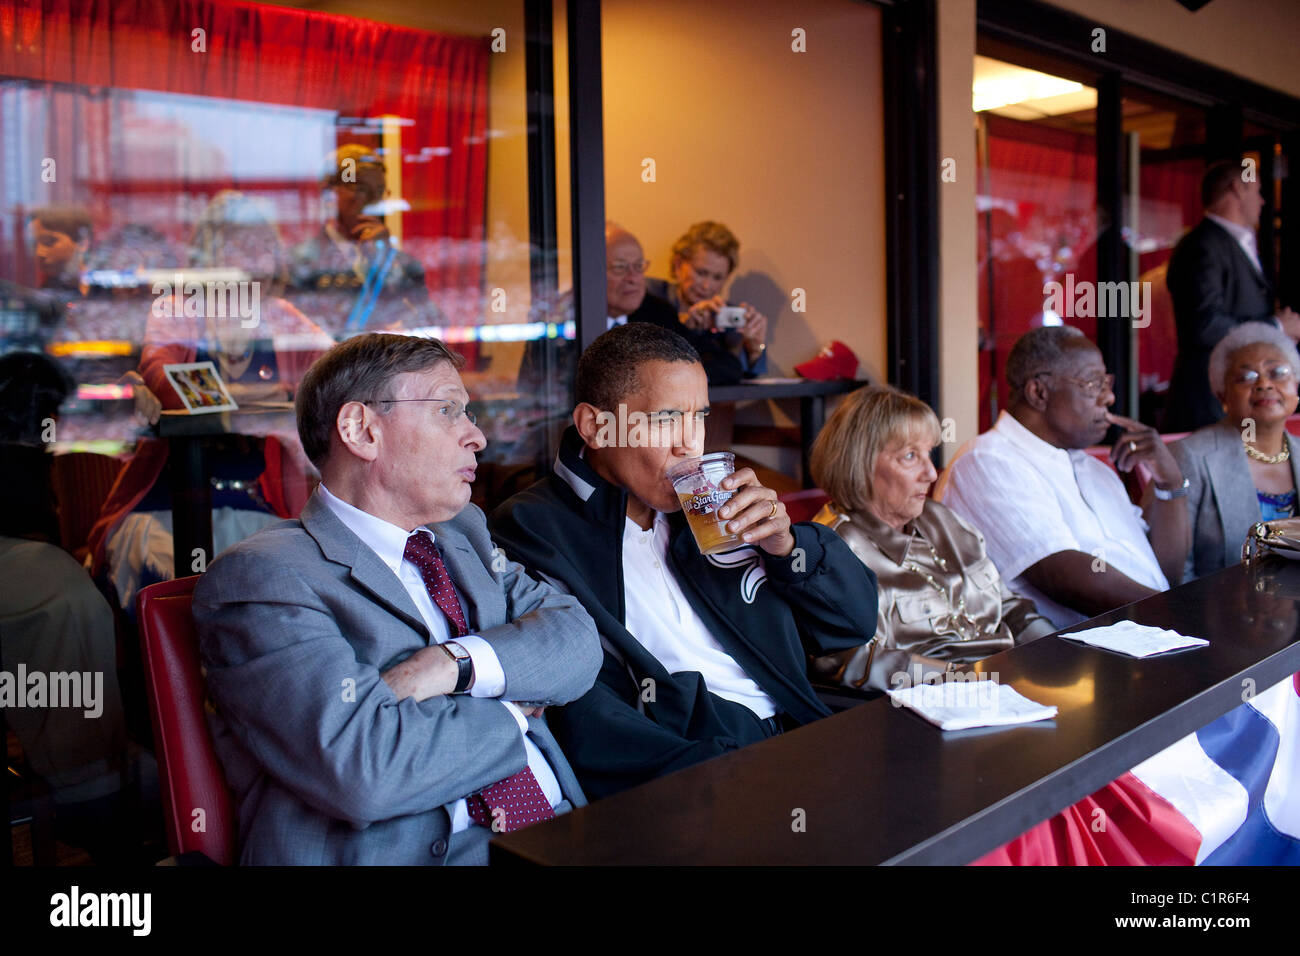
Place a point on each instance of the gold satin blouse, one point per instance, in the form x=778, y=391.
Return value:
x=941, y=599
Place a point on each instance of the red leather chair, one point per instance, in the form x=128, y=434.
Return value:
x=804, y=505
x=189, y=773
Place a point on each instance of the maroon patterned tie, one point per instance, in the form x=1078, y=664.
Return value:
x=421, y=552
x=518, y=800
x=510, y=804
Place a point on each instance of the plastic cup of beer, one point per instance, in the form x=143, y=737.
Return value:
x=698, y=483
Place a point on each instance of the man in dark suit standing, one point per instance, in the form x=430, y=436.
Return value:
x=1217, y=280
x=379, y=668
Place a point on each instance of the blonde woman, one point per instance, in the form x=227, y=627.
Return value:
x=703, y=259
x=942, y=602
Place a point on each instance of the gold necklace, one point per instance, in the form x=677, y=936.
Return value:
x=958, y=620
x=1283, y=455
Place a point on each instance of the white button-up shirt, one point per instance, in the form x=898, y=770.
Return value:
x=388, y=541
x=1244, y=235
x=661, y=619
x=1032, y=499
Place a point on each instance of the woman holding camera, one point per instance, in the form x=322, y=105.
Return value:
x=702, y=261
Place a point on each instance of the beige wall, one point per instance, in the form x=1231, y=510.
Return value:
x=958, y=288
x=1256, y=39
x=783, y=147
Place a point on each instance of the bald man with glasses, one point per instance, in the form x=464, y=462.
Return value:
x=1059, y=524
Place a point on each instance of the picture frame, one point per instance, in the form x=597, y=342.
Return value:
x=200, y=388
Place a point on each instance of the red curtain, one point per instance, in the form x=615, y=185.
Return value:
x=273, y=55
x=1041, y=186
x=1171, y=204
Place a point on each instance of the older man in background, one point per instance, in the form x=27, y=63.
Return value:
x=549, y=363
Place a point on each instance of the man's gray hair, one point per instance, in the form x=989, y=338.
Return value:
x=1243, y=336
x=1040, y=350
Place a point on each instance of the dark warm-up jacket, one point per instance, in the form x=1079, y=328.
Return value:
x=639, y=721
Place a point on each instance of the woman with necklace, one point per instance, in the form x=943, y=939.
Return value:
x=1243, y=469
x=942, y=602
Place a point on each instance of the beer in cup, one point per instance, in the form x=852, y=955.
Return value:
x=698, y=483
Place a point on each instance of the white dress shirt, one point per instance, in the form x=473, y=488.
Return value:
x=1244, y=235
x=1032, y=499
x=388, y=541
x=613, y=320
x=663, y=621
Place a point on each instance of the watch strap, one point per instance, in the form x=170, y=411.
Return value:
x=1171, y=494
x=464, y=665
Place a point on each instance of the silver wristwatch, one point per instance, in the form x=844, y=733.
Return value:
x=1179, y=492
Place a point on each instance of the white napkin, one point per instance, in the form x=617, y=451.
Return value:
x=957, y=705
x=1135, y=640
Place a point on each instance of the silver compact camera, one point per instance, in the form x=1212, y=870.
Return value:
x=730, y=317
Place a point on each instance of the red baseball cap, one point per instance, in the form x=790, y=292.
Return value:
x=834, y=361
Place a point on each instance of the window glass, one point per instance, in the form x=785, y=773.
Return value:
x=246, y=183
x=1036, y=209
x=1170, y=149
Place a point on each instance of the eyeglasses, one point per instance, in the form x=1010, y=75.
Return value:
x=675, y=419
x=450, y=410
x=621, y=268
x=1091, y=387
x=1277, y=375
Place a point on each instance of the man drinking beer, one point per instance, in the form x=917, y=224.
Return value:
x=703, y=654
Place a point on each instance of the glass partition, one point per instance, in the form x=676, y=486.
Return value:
x=1036, y=208
x=245, y=183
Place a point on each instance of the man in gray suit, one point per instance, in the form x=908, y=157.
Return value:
x=378, y=668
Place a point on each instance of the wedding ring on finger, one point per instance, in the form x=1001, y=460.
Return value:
x=773, y=514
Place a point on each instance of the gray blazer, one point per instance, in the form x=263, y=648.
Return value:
x=1221, y=498
x=297, y=622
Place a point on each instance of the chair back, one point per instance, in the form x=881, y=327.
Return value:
x=804, y=505
x=198, y=809
x=82, y=481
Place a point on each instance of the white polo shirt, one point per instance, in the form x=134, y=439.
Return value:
x=1032, y=499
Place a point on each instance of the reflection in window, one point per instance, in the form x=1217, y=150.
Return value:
x=357, y=150
x=1036, y=207
x=246, y=197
